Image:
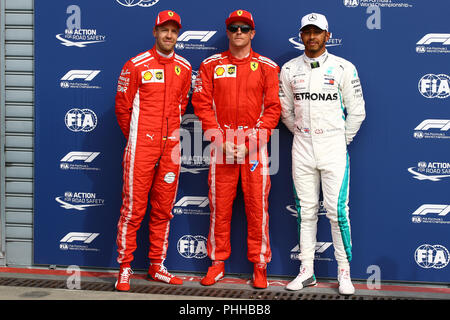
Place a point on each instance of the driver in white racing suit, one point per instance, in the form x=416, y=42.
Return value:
x=323, y=106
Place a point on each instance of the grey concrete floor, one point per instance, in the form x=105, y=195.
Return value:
x=238, y=283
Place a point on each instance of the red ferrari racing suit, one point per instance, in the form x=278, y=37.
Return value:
x=152, y=95
x=237, y=101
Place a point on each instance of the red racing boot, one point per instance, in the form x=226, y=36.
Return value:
x=215, y=273
x=260, y=276
x=158, y=272
x=123, y=281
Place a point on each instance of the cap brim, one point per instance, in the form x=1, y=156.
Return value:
x=176, y=22
x=246, y=20
x=312, y=24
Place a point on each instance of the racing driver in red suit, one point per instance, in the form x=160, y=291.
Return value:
x=152, y=95
x=236, y=98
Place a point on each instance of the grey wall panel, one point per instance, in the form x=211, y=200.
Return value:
x=19, y=231
x=16, y=202
x=19, y=95
x=19, y=65
x=2, y=136
x=19, y=141
x=19, y=4
x=17, y=110
x=19, y=34
x=19, y=79
x=20, y=172
x=18, y=18
x=19, y=187
x=19, y=49
x=19, y=126
x=15, y=156
x=19, y=252
x=19, y=217
x=18, y=121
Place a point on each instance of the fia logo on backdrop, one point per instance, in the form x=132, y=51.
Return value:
x=192, y=247
x=140, y=3
x=434, y=86
x=80, y=120
x=432, y=256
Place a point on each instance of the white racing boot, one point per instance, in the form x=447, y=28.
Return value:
x=305, y=278
x=345, y=282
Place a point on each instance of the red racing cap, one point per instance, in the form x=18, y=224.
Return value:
x=241, y=15
x=168, y=15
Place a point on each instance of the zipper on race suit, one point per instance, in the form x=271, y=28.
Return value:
x=237, y=105
x=164, y=137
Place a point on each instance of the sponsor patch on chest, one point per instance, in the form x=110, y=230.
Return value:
x=225, y=71
x=153, y=76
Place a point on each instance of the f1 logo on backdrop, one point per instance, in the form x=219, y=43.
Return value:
x=80, y=156
x=434, y=43
x=431, y=213
x=79, y=236
x=192, y=201
x=71, y=161
x=430, y=38
x=432, y=256
x=78, y=79
x=434, y=86
x=85, y=238
x=433, y=129
x=200, y=37
x=203, y=36
x=441, y=124
x=86, y=75
x=440, y=209
x=196, y=205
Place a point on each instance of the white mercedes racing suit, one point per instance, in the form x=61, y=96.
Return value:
x=323, y=106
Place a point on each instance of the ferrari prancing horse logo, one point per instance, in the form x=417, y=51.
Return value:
x=254, y=65
x=177, y=70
